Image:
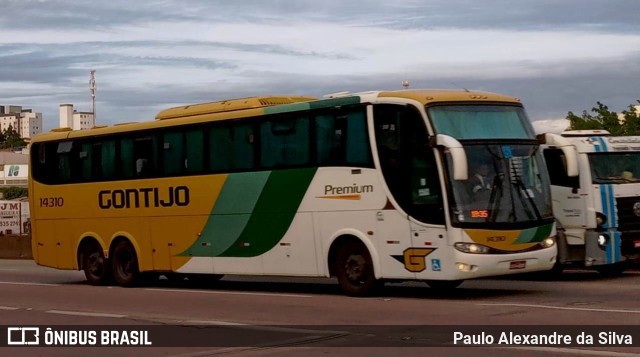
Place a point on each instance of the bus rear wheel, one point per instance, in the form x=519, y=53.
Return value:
x=95, y=266
x=125, y=264
x=354, y=269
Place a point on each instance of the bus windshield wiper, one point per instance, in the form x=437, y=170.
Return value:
x=522, y=189
x=496, y=190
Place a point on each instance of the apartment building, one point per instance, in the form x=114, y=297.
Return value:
x=24, y=121
x=70, y=118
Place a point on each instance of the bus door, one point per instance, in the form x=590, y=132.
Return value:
x=408, y=165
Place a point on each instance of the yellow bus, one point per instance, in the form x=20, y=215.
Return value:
x=367, y=187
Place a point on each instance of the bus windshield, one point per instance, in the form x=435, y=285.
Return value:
x=506, y=185
x=481, y=121
x=615, y=167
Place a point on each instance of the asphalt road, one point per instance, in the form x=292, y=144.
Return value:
x=287, y=316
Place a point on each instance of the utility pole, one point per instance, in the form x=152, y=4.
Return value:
x=92, y=90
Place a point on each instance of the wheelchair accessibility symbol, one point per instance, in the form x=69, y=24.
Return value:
x=435, y=264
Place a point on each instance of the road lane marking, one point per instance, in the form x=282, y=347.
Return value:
x=272, y=328
x=80, y=313
x=34, y=284
x=9, y=308
x=566, y=308
x=231, y=293
x=573, y=351
x=213, y=322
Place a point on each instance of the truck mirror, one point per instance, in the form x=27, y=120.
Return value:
x=568, y=150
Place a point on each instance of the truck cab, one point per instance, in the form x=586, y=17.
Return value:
x=598, y=210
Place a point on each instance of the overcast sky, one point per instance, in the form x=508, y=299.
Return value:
x=556, y=55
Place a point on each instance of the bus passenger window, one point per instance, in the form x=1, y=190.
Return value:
x=285, y=142
x=143, y=153
x=341, y=138
x=173, y=153
x=64, y=161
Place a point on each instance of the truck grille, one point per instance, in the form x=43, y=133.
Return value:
x=628, y=224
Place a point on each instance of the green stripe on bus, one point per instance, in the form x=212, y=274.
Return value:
x=335, y=102
x=285, y=108
x=325, y=103
x=241, y=192
x=533, y=235
x=273, y=213
x=231, y=213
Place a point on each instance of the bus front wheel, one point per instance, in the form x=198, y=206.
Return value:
x=354, y=269
x=125, y=264
x=95, y=266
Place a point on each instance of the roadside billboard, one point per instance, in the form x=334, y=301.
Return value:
x=14, y=217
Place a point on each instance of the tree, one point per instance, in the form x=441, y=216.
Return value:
x=11, y=139
x=10, y=193
x=605, y=119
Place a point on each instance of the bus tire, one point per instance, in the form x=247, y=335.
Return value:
x=354, y=270
x=96, y=267
x=125, y=264
x=557, y=270
x=444, y=284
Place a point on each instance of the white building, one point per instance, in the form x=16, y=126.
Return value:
x=24, y=121
x=70, y=118
x=13, y=169
x=621, y=116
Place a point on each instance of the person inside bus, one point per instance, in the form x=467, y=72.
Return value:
x=627, y=174
x=142, y=167
x=480, y=182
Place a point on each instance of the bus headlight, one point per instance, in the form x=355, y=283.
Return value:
x=472, y=248
x=601, y=219
x=548, y=242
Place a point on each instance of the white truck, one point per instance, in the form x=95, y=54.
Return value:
x=598, y=210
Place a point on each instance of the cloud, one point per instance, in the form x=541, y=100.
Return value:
x=550, y=125
x=154, y=54
x=614, y=15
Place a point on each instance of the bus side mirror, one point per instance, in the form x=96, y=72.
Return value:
x=569, y=151
x=458, y=156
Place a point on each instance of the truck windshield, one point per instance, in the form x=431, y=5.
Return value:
x=613, y=167
x=507, y=184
